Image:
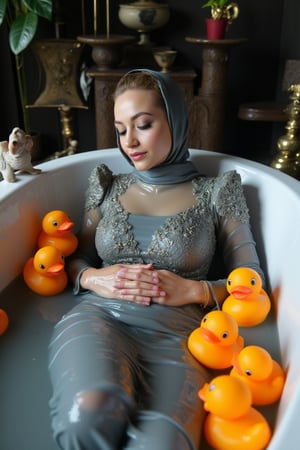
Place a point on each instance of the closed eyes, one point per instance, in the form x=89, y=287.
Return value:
x=145, y=126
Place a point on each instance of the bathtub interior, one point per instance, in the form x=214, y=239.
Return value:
x=274, y=203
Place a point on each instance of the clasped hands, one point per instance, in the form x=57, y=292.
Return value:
x=140, y=283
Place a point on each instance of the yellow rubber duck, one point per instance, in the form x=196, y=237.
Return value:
x=264, y=376
x=44, y=273
x=232, y=423
x=248, y=302
x=57, y=231
x=216, y=341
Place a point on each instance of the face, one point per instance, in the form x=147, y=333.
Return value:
x=143, y=128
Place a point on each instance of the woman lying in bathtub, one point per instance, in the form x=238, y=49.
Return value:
x=121, y=372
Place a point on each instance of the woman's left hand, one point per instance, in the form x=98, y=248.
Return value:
x=178, y=291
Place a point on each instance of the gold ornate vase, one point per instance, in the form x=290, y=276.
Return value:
x=59, y=59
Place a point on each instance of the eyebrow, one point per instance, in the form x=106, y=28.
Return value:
x=136, y=116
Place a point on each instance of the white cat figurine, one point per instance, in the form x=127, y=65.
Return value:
x=15, y=154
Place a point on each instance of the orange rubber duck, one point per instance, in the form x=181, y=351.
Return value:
x=264, y=376
x=3, y=321
x=232, y=423
x=248, y=302
x=57, y=231
x=44, y=273
x=216, y=341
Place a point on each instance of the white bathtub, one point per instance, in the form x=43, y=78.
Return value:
x=274, y=201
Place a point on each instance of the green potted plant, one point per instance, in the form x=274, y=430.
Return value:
x=223, y=13
x=22, y=18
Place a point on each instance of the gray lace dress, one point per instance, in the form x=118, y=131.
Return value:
x=134, y=353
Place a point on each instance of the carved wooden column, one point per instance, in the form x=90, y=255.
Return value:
x=208, y=108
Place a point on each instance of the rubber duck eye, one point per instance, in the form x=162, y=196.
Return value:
x=229, y=282
x=204, y=319
x=248, y=372
x=41, y=266
x=225, y=334
x=62, y=257
x=55, y=223
x=253, y=281
x=211, y=387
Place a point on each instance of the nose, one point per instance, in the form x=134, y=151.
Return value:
x=131, y=139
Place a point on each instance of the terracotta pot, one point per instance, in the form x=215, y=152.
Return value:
x=216, y=28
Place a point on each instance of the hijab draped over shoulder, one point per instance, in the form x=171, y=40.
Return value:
x=176, y=168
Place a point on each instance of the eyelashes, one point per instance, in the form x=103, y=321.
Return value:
x=145, y=126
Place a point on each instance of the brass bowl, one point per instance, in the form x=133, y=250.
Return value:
x=165, y=59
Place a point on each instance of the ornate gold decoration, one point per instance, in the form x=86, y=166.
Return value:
x=69, y=143
x=288, y=158
x=229, y=12
x=59, y=59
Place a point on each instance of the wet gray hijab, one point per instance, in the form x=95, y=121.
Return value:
x=176, y=168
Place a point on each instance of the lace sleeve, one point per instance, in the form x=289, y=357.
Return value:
x=99, y=182
x=228, y=197
x=234, y=231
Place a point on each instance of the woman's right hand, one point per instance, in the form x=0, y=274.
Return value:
x=141, y=281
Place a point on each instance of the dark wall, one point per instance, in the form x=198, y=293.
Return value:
x=254, y=71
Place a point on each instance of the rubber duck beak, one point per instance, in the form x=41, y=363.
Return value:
x=241, y=292
x=65, y=227
x=209, y=336
x=56, y=269
x=202, y=392
x=236, y=365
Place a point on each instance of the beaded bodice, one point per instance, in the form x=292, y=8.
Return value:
x=184, y=243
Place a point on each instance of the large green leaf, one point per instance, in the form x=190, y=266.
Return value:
x=42, y=8
x=2, y=10
x=22, y=31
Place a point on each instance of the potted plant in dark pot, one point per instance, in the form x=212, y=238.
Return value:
x=22, y=18
x=222, y=15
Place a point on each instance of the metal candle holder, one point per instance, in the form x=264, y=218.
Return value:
x=288, y=158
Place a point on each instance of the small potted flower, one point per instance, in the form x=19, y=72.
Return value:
x=222, y=15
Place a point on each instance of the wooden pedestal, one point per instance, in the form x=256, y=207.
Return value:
x=209, y=105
